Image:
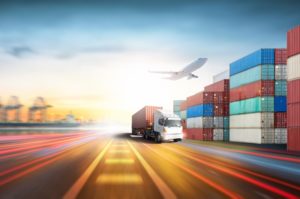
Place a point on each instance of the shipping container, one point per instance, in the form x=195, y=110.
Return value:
x=218, y=122
x=226, y=122
x=183, y=106
x=280, y=72
x=255, y=89
x=218, y=134
x=280, y=88
x=221, y=109
x=176, y=105
x=280, y=56
x=260, y=72
x=200, y=134
x=293, y=94
x=293, y=41
x=280, y=136
x=252, y=120
x=144, y=118
x=177, y=113
x=202, y=110
x=220, y=86
x=200, y=98
x=280, y=104
x=221, y=76
x=226, y=135
x=200, y=122
x=293, y=115
x=280, y=120
x=220, y=97
x=293, y=139
x=259, y=57
x=183, y=123
x=252, y=105
x=252, y=135
x=293, y=69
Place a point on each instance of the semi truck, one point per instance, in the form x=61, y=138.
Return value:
x=153, y=123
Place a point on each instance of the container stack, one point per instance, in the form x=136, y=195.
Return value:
x=199, y=120
x=252, y=98
x=220, y=91
x=176, y=106
x=293, y=77
x=280, y=115
x=183, y=107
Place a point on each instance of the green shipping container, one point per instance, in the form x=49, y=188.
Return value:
x=252, y=105
x=177, y=102
x=260, y=72
x=226, y=135
x=177, y=113
x=280, y=88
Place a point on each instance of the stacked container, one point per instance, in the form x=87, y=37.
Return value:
x=280, y=85
x=293, y=99
x=183, y=107
x=176, y=106
x=199, y=120
x=252, y=98
x=220, y=91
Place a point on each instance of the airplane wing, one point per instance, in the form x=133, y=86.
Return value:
x=164, y=72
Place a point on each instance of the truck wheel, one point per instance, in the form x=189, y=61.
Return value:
x=176, y=140
x=158, y=138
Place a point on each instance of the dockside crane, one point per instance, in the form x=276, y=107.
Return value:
x=12, y=105
x=39, y=107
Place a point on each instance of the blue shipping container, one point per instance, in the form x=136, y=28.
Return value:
x=205, y=110
x=262, y=56
x=280, y=103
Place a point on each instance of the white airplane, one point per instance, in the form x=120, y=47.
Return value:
x=186, y=71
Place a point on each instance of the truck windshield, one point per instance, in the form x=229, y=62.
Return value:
x=172, y=123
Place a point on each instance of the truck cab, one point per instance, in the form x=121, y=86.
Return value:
x=167, y=126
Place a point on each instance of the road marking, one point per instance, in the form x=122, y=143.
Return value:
x=160, y=184
x=78, y=185
x=119, y=161
x=119, y=179
x=119, y=151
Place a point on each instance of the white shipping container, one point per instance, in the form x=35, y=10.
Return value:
x=221, y=76
x=252, y=120
x=218, y=122
x=218, y=134
x=293, y=67
x=280, y=135
x=280, y=72
x=200, y=122
x=252, y=135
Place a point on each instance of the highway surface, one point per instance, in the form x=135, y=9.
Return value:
x=97, y=164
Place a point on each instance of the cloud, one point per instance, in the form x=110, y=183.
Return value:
x=20, y=51
x=93, y=49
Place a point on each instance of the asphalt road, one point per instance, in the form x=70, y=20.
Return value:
x=117, y=165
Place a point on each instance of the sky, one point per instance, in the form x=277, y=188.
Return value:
x=93, y=57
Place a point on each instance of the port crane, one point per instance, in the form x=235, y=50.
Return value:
x=39, y=107
x=12, y=105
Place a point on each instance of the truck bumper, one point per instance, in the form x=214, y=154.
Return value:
x=172, y=136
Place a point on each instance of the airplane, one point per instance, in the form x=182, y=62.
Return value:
x=185, y=72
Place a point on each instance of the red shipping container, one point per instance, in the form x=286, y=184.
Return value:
x=183, y=106
x=280, y=120
x=280, y=56
x=200, y=98
x=144, y=117
x=293, y=142
x=293, y=115
x=221, y=97
x=293, y=91
x=200, y=134
x=221, y=109
x=255, y=89
x=293, y=41
x=183, y=123
x=220, y=86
